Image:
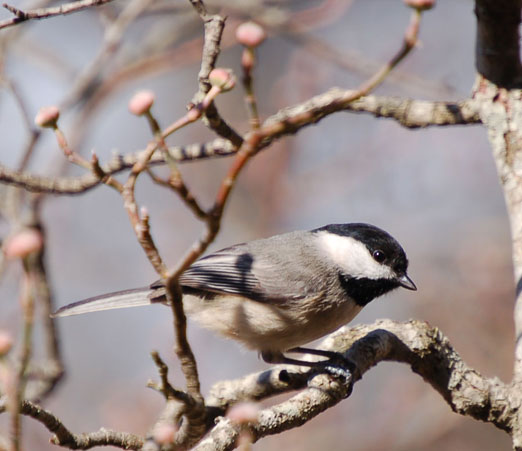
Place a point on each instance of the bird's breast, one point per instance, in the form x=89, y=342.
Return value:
x=265, y=326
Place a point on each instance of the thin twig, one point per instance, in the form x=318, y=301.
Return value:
x=213, y=26
x=43, y=380
x=169, y=392
x=27, y=302
x=71, y=155
x=187, y=197
x=175, y=180
x=63, y=437
x=250, y=98
x=111, y=44
x=140, y=224
x=44, y=13
x=409, y=113
x=79, y=185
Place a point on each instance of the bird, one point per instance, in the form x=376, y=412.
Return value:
x=276, y=294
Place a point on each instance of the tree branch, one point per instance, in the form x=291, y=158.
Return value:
x=424, y=348
x=62, y=436
x=214, y=25
x=44, y=13
x=410, y=113
x=501, y=113
x=79, y=185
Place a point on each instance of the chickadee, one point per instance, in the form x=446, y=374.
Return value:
x=275, y=294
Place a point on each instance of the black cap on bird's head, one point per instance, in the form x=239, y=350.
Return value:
x=383, y=260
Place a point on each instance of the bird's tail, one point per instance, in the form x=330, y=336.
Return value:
x=119, y=299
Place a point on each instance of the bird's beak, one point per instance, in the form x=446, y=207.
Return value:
x=406, y=282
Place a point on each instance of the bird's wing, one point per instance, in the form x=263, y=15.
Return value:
x=236, y=271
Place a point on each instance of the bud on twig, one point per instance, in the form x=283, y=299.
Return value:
x=421, y=5
x=23, y=243
x=47, y=116
x=164, y=433
x=141, y=102
x=244, y=412
x=6, y=342
x=224, y=79
x=250, y=34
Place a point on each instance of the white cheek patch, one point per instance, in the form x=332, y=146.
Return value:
x=352, y=257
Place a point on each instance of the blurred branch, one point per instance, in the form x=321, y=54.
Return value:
x=42, y=380
x=16, y=395
x=415, y=343
x=62, y=436
x=44, y=13
x=113, y=35
x=168, y=391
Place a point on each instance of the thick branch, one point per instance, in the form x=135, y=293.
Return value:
x=415, y=343
x=409, y=113
x=497, y=49
x=501, y=113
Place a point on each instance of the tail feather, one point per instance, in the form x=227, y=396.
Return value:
x=119, y=299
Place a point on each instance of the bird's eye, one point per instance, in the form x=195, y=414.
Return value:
x=379, y=256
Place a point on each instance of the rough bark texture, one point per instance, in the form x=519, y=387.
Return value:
x=501, y=113
x=500, y=108
x=424, y=348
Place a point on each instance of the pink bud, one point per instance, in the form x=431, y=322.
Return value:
x=244, y=412
x=22, y=243
x=421, y=5
x=141, y=102
x=250, y=34
x=47, y=116
x=224, y=79
x=6, y=342
x=164, y=433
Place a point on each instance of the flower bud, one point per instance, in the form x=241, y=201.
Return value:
x=421, y=5
x=244, y=412
x=141, y=102
x=6, y=342
x=250, y=34
x=223, y=79
x=47, y=116
x=22, y=243
x=164, y=433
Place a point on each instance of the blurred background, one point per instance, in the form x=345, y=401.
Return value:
x=435, y=190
